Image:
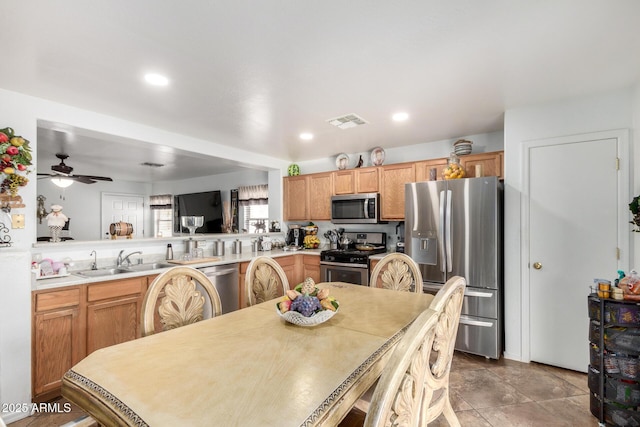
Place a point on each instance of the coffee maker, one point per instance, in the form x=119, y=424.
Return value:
x=295, y=236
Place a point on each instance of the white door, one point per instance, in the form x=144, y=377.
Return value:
x=574, y=204
x=123, y=207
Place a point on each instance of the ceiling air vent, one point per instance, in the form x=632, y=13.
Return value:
x=348, y=121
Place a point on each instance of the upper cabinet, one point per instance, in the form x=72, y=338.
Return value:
x=359, y=180
x=308, y=197
x=295, y=198
x=489, y=164
x=423, y=169
x=320, y=192
x=392, y=181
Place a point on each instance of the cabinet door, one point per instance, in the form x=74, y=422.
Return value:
x=295, y=198
x=423, y=169
x=490, y=163
x=55, y=349
x=367, y=180
x=292, y=269
x=113, y=312
x=311, y=267
x=112, y=322
x=320, y=190
x=344, y=182
x=392, y=181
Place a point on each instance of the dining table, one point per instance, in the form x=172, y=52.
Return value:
x=249, y=367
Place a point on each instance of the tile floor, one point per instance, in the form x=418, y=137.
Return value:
x=485, y=393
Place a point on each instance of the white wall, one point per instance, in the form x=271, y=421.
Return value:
x=82, y=204
x=613, y=110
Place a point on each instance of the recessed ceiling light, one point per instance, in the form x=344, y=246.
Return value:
x=306, y=136
x=156, y=79
x=400, y=117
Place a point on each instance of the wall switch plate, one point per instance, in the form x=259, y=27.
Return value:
x=17, y=220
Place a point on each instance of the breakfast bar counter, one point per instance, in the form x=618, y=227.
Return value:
x=249, y=367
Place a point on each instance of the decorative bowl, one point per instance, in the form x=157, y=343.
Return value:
x=296, y=318
x=300, y=320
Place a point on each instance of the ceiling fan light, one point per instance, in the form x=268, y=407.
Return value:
x=62, y=182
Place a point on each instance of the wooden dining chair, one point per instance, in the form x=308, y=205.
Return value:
x=397, y=271
x=181, y=303
x=413, y=389
x=264, y=280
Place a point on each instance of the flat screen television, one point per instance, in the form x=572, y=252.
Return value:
x=207, y=204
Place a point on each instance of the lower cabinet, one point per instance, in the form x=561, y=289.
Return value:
x=113, y=312
x=291, y=265
x=72, y=322
x=311, y=267
x=57, y=340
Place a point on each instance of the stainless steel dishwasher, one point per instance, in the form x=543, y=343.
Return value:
x=225, y=279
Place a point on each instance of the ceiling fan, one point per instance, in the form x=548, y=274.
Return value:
x=64, y=171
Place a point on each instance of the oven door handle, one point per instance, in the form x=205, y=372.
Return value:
x=342, y=264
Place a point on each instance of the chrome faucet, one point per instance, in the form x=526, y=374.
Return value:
x=120, y=260
x=94, y=265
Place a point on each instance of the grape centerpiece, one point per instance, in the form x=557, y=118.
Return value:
x=306, y=305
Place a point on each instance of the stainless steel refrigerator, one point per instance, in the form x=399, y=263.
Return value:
x=454, y=228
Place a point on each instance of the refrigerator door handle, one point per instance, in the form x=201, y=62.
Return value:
x=448, y=240
x=464, y=320
x=441, y=237
x=478, y=294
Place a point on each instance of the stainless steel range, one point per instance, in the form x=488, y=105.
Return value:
x=351, y=264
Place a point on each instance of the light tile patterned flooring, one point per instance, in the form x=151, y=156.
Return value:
x=485, y=393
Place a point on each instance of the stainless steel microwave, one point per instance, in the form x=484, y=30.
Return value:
x=355, y=208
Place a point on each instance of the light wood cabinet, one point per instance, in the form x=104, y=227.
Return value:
x=490, y=163
x=311, y=267
x=360, y=180
x=320, y=191
x=113, y=312
x=295, y=198
x=308, y=197
x=72, y=322
x=57, y=341
x=392, y=181
x=344, y=182
x=367, y=180
x=423, y=169
x=292, y=266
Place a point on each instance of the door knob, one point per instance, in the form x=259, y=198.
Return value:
x=537, y=265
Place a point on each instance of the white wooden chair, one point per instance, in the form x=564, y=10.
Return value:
x=413, y=389
x=182, y=303
x=264, y=280
x=397, y=271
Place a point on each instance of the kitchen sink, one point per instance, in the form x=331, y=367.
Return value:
x=151, y=266
x=103, y=272
x=113, y=271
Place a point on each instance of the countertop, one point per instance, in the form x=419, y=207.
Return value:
x=74, y=279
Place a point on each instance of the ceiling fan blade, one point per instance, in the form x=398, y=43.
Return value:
x=83, y=179
x=96, y=178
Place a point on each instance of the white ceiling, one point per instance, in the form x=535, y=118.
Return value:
x=255, y=74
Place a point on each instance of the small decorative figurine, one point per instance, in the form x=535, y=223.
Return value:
x=56, y=220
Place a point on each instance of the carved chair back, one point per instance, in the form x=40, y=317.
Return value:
x=264, y=280
x=174, y=299
x=397, y=271
x=414, y=387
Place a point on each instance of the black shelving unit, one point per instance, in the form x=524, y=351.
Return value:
x=614, y=369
